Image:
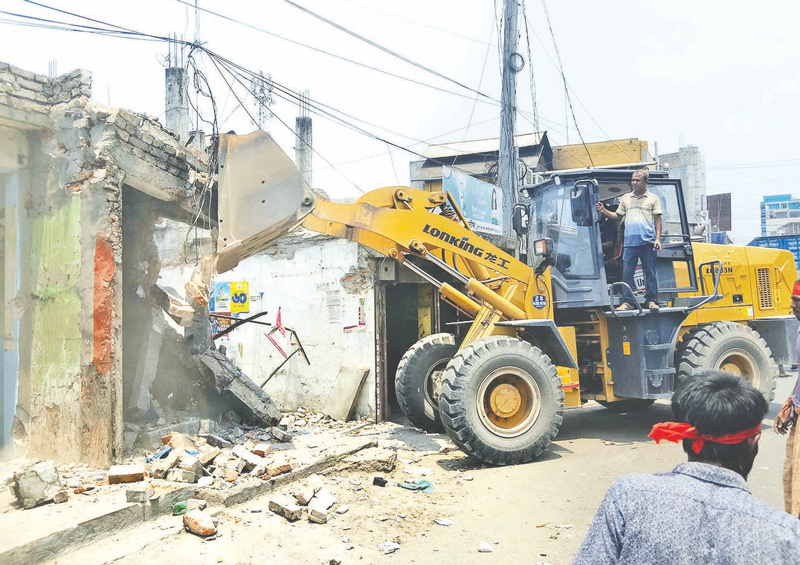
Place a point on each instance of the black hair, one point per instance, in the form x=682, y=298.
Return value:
x=717, y=404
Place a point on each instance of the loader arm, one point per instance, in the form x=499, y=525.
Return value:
x=262, y=198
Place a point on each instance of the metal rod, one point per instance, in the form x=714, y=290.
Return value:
x=434, y=259
x=237, y=324
x=415, y=269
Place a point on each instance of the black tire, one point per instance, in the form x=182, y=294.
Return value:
x=627, y=405
x=418, y=379
x=730, y=347
x=505, y=370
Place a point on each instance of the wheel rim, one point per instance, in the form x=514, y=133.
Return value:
x=740, y=363
x=433, y=382
x=509, y=402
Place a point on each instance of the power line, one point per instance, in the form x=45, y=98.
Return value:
x=384, y=49
x=335, y=56
x=564, y=78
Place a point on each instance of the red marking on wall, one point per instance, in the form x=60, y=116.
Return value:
x=104, y=269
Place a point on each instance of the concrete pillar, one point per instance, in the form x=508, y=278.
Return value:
x=177, y=102
x=303, y=148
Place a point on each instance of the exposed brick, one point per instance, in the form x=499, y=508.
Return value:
x=30, y=85
x=123, y=135
x=158, y=154
x=147, y=138
x=158, y=144
x=136, y=142
x=139, y=153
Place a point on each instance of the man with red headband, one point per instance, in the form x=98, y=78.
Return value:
x=785, y=420
x=702, y=511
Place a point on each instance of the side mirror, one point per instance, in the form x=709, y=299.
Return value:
x=580, y=198
x=519, y=219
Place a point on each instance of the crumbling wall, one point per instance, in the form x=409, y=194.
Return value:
x=325, y=290
x=67, y=304
x=75, y=159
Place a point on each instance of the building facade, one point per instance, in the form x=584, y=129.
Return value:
x=780, y=215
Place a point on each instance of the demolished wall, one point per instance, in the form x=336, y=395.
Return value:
x=325, y=291
x=63, y=165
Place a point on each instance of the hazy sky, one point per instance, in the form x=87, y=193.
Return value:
x=723, y=76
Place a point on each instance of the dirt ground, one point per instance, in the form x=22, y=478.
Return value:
x=534, y=513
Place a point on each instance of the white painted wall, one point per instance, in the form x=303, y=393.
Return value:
x=319, y=283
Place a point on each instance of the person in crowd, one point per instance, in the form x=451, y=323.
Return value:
x=701, y=511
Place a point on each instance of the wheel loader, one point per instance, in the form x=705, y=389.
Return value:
x=544, y=333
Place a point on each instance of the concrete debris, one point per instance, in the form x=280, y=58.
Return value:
x=217, y=441
x=37, y=484
x=179, y=475
x=159, y=467
x=390, y=547
x=199, y=523
x=177, y=440
x=418, y=471
x=372, y=460
x=282, y=506
x=444, y=521
x=125, y=474
x=239, y=389
x=342, y=509
x=323, y=499
x=175, y=307
x=484, y=547
x=251, y=459
x=280, y=435
x=139, y=493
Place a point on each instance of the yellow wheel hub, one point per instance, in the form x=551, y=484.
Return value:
x=505, y=401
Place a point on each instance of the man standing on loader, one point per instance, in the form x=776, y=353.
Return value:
x=642, y=212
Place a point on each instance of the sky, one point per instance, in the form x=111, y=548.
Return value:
x=722, y=76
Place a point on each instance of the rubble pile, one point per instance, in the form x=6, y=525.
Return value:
x=214, y=461
x=313, y=501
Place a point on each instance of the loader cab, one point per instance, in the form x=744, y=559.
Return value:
x=587, y=247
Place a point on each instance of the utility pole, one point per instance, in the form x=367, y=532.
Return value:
x=512, y=63
x=303, y=148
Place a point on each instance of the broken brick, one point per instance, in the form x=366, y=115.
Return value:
x=262, y=449
x=125, y=474
x=209, y=456
x=199, y=523
x=280, y=435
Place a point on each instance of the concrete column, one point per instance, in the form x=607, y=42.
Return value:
x=177, y=102
x=303, y=148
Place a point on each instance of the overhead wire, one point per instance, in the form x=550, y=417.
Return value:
x=531, y=77
x=335, y=56
x=480, y=81
x=564, y=78
x=120, y=31
x=386, y=50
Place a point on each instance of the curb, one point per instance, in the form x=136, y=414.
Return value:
x=134, y=514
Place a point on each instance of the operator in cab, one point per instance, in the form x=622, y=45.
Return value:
x=642, y=212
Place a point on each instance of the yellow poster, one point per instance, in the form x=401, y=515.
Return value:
x=240, y=297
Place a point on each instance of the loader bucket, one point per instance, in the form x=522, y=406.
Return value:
x=261, y=196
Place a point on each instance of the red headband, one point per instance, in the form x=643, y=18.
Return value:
x=796, y=289
x=676, y=431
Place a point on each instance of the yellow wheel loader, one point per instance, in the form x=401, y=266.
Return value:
x=544, y=334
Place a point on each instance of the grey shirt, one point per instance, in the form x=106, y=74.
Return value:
x=698, y=513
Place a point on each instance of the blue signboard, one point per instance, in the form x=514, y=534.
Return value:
x=480, y=202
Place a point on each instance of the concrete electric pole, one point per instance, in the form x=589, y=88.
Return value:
x=512, y=63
